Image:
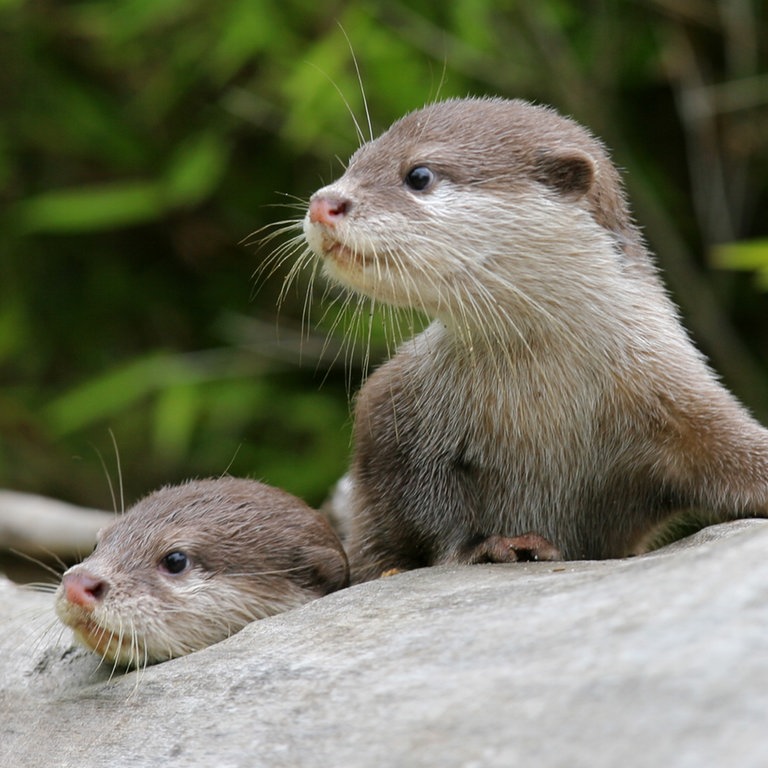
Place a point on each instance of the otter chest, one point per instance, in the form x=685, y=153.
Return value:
x=507, y=419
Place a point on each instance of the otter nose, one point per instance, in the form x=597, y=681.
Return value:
x=328, y=209
x=83, y=588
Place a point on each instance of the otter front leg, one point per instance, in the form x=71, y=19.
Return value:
x=529, y=547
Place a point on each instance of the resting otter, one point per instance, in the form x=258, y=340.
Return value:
x=190, y=565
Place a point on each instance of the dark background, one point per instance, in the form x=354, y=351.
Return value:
x=143, y=142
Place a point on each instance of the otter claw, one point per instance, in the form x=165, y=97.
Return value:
x=528, y=547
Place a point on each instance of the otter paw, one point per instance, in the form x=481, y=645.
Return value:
x=529, y=547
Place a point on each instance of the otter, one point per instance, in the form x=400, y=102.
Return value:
x=555, y=390
x=189, y=565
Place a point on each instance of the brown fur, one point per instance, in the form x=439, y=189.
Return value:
x=556, y=391
x=253, y=551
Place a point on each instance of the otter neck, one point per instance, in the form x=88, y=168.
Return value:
x=586, y=336
x=468, y=355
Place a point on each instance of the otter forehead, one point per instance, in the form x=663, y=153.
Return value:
x=211, y=516
x=472, y=140
x=210, y=504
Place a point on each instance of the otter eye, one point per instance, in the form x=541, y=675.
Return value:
x=419, y=178
x=175, y=562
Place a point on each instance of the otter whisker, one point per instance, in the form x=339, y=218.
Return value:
x=270, y=572
x=289, y=250
x=306, y=309
x=352, y=337
x=359, y=82
x=279, y=229
x=119, y=473
x=115, y=640
x=345, y=101
x=33, y=617
x=367, y=347
x=140, y=669
x=344, y=300
x=41, y=563
x=40, y=586
x=492, y=313
x=290, y=278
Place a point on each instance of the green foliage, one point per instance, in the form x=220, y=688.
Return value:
x=194, y=172
x=142, y=141
x=751, y=255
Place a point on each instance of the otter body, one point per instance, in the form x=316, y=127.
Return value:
x=556, y=390
x=189, y=565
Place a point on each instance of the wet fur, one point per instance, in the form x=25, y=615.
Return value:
x=556, y=390
x=254, y=551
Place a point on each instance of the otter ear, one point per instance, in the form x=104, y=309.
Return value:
x=569, y=172
x=321, y=569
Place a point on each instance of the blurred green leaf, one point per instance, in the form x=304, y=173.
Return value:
x=195, y=170
x=176, y=414
x=246, y=30
x=750, y=254
x=114, y=391
x=105, y=206
x=194, y=173
x=11, y=328
x=90, y=121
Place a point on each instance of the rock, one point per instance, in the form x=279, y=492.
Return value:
x=657, y=660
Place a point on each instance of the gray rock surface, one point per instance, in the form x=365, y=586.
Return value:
x=659, y=660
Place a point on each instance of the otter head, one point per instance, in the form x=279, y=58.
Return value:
x=190, y=565
x=471, y=208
